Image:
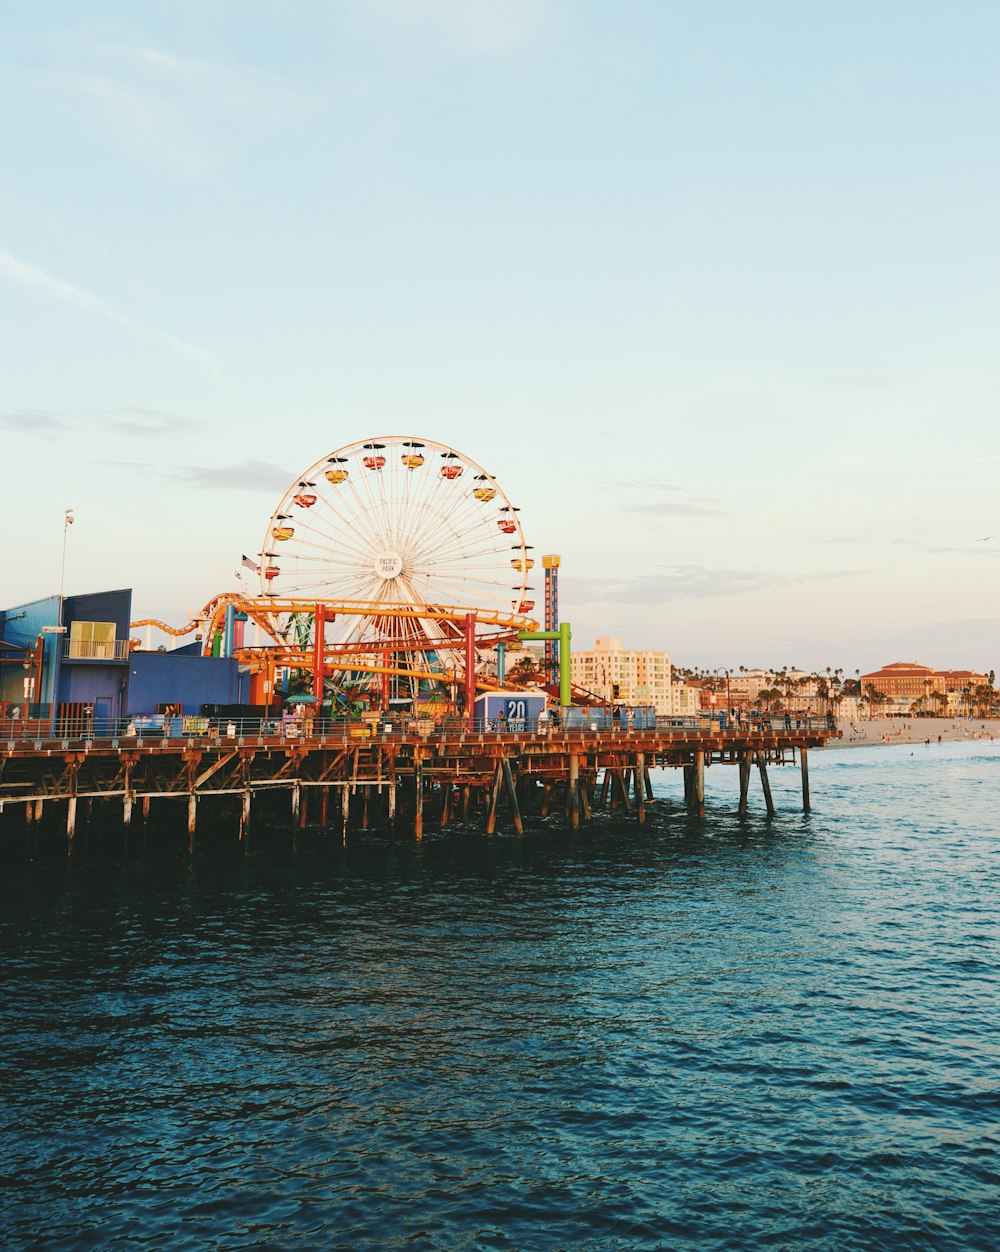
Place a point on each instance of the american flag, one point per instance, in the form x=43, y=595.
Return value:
x=251, y=565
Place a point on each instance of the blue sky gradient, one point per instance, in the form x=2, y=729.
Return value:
x=711, y=287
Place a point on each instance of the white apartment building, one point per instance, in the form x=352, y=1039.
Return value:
x=621, y=676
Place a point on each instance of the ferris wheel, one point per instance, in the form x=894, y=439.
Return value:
x=400, y=529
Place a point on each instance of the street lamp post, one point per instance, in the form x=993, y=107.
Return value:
x=729, y=702
x=60, y=629
x=67, y=523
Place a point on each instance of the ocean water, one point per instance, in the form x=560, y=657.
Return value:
x=719, y=1034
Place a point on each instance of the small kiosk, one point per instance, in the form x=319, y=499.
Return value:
x=509, y=710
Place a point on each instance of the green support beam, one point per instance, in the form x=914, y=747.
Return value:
x=565, y=679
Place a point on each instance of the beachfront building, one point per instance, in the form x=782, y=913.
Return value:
x=619, y=675
x=906, y=687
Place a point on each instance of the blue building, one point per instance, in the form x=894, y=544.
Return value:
x=83, y=662
x=77, y=659
x=185, y=680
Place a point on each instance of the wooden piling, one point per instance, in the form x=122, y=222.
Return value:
x=512, y=795
x=640, y=787
x=744, y=767
x=244, y=818
x=803, y=761
x=574, y=790
x=699, y=782
x=418, y=782
x=765, y=783
x=491, y=808
x=70, y=824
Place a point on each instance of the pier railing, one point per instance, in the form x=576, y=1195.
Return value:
x=153, y=730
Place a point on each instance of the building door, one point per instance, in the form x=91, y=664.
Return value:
x=102, y=710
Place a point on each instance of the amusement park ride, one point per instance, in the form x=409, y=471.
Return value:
x=396, y=570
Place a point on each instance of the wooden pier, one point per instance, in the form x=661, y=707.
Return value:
x=357, y=778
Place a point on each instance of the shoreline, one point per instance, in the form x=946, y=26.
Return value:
x=888, y=731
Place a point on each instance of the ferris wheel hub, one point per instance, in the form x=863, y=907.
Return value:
x=388, y=564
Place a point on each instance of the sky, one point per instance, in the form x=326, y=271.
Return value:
x=712, y=287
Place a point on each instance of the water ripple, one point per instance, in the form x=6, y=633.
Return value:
x=694, y=1035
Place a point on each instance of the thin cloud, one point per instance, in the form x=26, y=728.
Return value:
x=975, y=549
x=688, y=582
x=178, y=115
x=673, y=508
x=474, y=28
x=56, y=423
x=247, y=476
x=36, y=279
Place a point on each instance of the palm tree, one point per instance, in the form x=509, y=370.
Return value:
x=526, y=672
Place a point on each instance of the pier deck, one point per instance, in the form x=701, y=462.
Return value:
x=352, y=776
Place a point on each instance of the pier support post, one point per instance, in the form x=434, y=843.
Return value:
x=491, y=808
x=324, y=807
x=508, y=778
x=244, y=818
x=70, y=825
x=466, y=800
x=574, y=790
x=128, y=798
x=392, y=806
x=803, y=760
x=445, y=804
x=622, y=791
x=418, y=783
x=745, y=768
x=699, y=782
x=345, y=811
x=640, y=787
x=765, y=783
x=192, y=820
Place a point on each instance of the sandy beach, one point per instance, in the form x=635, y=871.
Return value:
x=899, y=730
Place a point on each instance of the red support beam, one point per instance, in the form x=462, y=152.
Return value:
x=470, y=669
x=319, y=645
